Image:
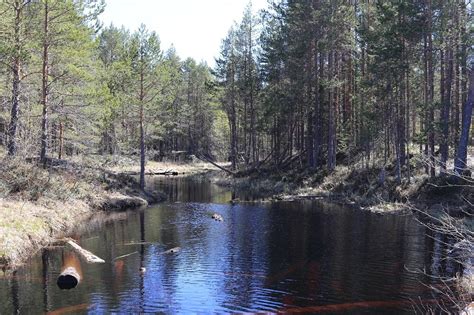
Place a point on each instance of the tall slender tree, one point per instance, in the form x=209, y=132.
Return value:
x=145, y=57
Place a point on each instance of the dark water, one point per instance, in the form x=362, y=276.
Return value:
x=302, y=256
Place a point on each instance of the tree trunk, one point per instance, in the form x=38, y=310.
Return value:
x=457, y=82
x=142, y=133
x=431, y=135
x=45, y=85
x=310, y=111
x=444, y=148
x=61, y=140
x=317, y=107
x=461, y=158
x=332, y=117
x=16, y=68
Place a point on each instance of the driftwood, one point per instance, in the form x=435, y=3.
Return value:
x=87, y=255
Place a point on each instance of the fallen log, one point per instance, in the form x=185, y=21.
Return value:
x=71, y=273
x=87, y=255
x=204, y=159
x=68, y=279
x=152, y=173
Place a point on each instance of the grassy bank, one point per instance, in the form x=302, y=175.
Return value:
x=39, y=205
x=373, y=188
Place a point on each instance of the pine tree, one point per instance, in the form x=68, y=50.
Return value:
x=145, y=55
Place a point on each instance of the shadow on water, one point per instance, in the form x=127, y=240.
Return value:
x=286, y=256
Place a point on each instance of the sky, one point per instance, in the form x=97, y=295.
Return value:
x=195, y=27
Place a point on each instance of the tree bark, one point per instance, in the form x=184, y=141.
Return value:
x=61, y=140
x=461, y=158
x=16, y=69
x=431, y=135
x=142, y=132
x=332, y=116
x=45, y=85
x=444, y=148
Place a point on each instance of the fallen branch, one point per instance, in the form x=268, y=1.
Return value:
x=135, y=243
x=124, y=256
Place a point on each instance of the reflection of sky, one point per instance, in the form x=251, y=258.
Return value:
x=207, y=273
x=219, y=267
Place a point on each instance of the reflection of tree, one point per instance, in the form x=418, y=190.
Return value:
x=142, y=258
x=190, y=189
x=45, y=269
x=350, y=255
x=15, y=293
x=294, y=251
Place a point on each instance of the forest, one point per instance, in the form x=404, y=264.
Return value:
x=302, y=84
x=367, y=101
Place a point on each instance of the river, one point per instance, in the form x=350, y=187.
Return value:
x=303, y=256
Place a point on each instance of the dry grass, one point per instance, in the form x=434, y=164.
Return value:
x=361, y=185
x=25, y=226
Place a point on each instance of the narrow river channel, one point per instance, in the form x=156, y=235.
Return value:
x=264, y=257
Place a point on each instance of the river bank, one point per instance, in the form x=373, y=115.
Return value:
x=39, y=205
x=369, y=188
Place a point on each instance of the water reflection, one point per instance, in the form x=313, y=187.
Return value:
x=302, y=256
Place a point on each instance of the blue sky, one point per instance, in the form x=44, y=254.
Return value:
x=194, y=27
